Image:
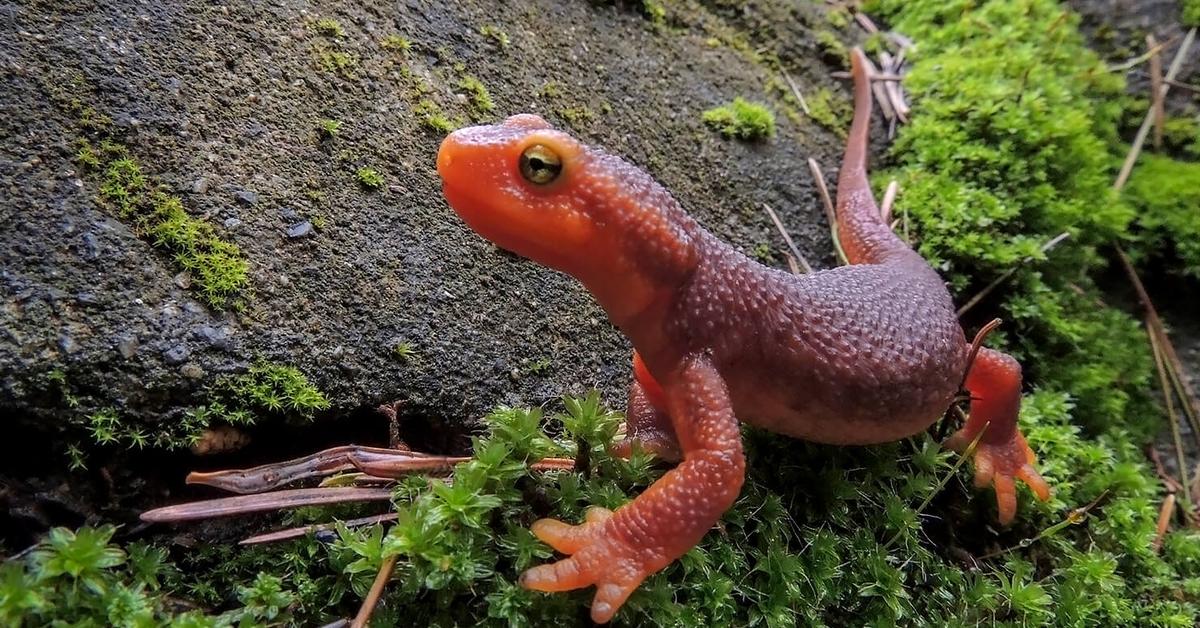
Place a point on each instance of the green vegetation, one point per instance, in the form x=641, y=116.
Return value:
x=433, y=117
x=82, y=579
x=87, y=156
x=477, y=94
x=654, y=10
x=329, y=128
x=217, y=267
x=1166, y=195
x=329, y=27
x=334, y=61
x=405, y=352
x=1190, y=12
x=396, y=44
x=829, y=111
x=742, y=119
x=369, y=178
x=495, y=34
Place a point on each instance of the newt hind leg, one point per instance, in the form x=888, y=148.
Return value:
x=1002, y=455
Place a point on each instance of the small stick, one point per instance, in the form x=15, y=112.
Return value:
x=1173, y=365
x=246, y=504
x=1006, y=274
x=793, y=265
x=830, y=213
x=1157, y=92
x=1136, y=148
x=1164, y=520
x=1168, y=396
x=292, y=533
x=1138, y=60
x=865, y=22
x=372, y=599
x=889, y=197
x=1075, y=517
x=1185, y=86
x=795, y=91
x=787, y=238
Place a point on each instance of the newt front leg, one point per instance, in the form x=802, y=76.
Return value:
x=617, y=552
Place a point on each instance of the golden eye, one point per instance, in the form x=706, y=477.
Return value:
x=540, y=164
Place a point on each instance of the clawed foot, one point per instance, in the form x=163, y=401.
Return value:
x=999, y=464
x=597, y=556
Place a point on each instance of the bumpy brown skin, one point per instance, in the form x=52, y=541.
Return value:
x=865, y=353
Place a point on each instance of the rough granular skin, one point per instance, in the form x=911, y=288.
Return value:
x=865, y=353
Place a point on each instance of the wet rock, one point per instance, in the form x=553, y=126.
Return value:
x=300, y=230
x=176, y=354
x=246, y=197
x=398, y=264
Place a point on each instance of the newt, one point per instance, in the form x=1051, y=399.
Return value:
x=865, y=353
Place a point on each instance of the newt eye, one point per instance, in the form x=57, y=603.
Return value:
x=540, y=164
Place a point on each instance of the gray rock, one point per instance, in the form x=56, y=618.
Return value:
x=300, y=229
x=176, y=354
x=399, y=264
x=246, y=197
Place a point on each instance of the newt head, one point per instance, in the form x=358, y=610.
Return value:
x=542, y=194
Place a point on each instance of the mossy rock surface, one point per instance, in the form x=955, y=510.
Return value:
x=226, y=107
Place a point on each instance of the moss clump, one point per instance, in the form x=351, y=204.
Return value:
x=83, y=579
x=369, y=178
x=494, y=33
x=334, y=61
x=1190, y=12
x=829, y=111
x=218, y=269
x=329, y=27
x=1182, y=134
x=87, y=156
x=1166, y=195
x=329, y=128
x=397, y=44
x=742, y=119
x=433, y=117
x=273, y=388
x=477, y=94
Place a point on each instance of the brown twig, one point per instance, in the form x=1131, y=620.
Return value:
x=372, y=599
x=247, y=504
x=1142, y=58
x=1184, y=86
x=1164, y=520
x=292, y=533
x=1174, y=366
x=982, y=294
x=1168, y=397
x=1156, y=92
x=787, y=238
x=889, y=198
x=1140, y=139
x=976, y=345
x=795, y=91
x=830, y=212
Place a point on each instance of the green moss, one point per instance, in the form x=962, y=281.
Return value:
x=762, y=253
x=369, y=178
x=829, y=111
x=329, y=128
x=272, y=389
x=334, y=61
x=477, y=94
x=218, y=268
x=832, y=46
x=87, y=156
x=405, y=352
x=494, y=33
x=1190, y=12
x=742, y=119
x=83, y=579
x=433, y=117
x=1182, y=134
x=329, y=27
x=1166, y=195
x=397, y=44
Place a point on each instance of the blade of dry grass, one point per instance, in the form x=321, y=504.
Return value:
x=1140, y=139
x=372, y=599
x=830, y=212
x=787, y=238
x=982, y=294
x=1156, y=92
